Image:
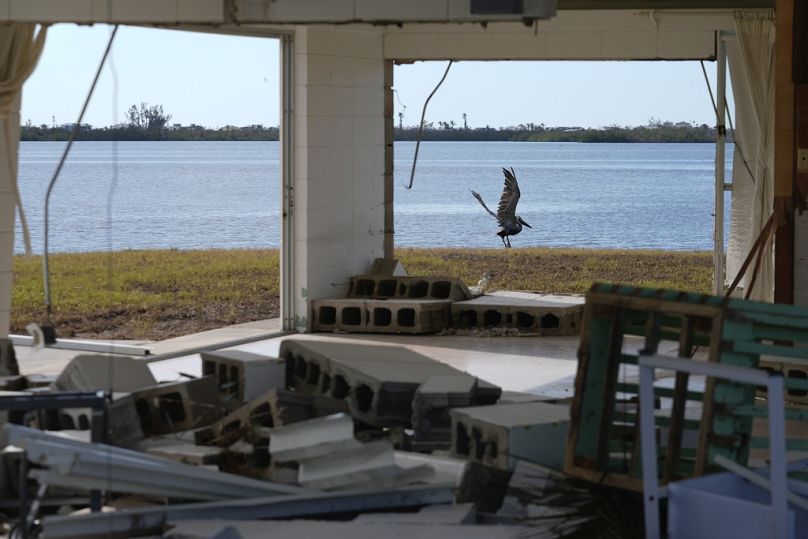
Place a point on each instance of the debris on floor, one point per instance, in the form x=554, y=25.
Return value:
x=343, y=438
x=328, y=429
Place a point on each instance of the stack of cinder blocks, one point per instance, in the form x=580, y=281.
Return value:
x=378, y=382
x=390, y=304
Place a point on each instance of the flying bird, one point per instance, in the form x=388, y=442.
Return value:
x=510, y=224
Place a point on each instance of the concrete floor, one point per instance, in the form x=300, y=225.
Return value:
x=538, y=365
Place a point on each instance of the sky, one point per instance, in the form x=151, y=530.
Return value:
x=215, y=80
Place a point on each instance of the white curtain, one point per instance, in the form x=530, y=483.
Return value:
x=751, y=61
x=20, y=47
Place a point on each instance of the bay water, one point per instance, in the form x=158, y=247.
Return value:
x=194, y=195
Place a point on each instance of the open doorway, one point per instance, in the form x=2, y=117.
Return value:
x=166, y=217
x=615, y=162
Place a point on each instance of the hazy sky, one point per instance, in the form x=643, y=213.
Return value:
x=217, y=80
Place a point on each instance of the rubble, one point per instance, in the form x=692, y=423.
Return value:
x=413, y=316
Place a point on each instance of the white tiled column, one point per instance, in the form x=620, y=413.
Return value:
x=8, y=156
x=338, y=159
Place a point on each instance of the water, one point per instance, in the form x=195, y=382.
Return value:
x=193, y=195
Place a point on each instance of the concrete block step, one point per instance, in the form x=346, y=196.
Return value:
x=540, y=313
x=380, y=315
x=502, y=434
x=405, y=287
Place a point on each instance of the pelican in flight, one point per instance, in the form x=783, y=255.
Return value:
x=510, y=224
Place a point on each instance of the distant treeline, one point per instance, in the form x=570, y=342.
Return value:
x=653, y=132
x=132, y=132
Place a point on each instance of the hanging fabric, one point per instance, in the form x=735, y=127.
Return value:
x=751, y=61
x=20, y=48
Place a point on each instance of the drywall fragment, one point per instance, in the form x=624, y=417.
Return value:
x=313, y=438
x=91, y=372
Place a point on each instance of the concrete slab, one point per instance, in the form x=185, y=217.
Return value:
x=214, y=336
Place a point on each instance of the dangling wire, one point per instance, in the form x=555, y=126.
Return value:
x=73, y=134
x=729, y=119
x=421, y=127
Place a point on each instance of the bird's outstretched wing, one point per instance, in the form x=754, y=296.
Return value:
x=506, y=212
x=480, y=200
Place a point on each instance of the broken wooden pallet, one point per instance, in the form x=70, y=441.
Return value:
x=694, y=423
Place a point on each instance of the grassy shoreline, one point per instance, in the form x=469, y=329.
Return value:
x=159, y=294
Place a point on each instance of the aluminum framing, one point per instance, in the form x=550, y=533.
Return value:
x=776, y=405
x=143, y=520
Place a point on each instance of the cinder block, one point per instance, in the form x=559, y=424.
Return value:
x=432, y=424
x=380, y=316
x=373, y=286
x=377, y=381
x=93, y=372
x=501, y=434
x=535, y=313
x=123, y=423
x=791, y=371
x=242, y=376
x=276, y=408
x=178, y=406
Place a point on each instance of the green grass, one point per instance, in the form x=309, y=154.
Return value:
x=159, y=294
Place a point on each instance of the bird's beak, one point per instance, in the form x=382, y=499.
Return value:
x=524, y=223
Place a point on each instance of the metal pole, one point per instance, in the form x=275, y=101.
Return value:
x=650, y=485
x=287, y=185
x=777, y=455
x=720, y=147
